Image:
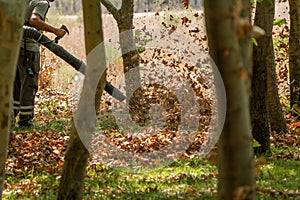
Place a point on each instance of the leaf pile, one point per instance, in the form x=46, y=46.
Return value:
x=36, y=150
x=43, y=148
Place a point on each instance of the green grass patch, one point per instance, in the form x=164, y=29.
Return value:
x=183, y=179
x=281, y=174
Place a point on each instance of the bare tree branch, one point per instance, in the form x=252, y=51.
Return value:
x=111, y=8
x=127, y=4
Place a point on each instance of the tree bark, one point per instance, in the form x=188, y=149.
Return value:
x=261, y=56
x=225, y=33
x=76, y=159
x=11, y=22
x=294, y=46
x=276, y=117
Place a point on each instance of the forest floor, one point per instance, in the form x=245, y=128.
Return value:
x=36, y=156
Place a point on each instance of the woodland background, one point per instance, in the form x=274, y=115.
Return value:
x=36, y=157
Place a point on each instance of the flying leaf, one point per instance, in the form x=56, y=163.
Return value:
x=185, y=3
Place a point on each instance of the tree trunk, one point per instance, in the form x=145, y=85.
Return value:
x=130, y=55
x=246, y=47
x=76, y=159
x=276, y=117
x=264, y=16
x=294, y=46
x=10, y=39
x=131, y=59
x=225, y=32
x=149, y=5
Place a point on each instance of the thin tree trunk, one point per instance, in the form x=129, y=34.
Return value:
x=11, y=22
x=294, y=46
x=131, y=59
x=264, y=16
x=276, y=117
x=246, y=46
x=76, y=159
x=130, y=55
x=225, y=32
x=149, y=5
x=73, y=174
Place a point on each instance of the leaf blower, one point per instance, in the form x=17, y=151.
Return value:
x=30, y=32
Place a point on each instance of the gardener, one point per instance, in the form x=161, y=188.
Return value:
x=28, y=67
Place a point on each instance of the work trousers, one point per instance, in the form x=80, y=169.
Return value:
x=26, y=86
